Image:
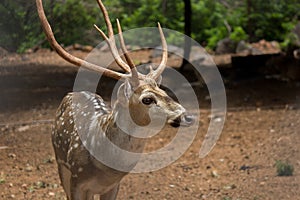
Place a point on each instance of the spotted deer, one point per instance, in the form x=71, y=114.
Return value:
x=84, y=122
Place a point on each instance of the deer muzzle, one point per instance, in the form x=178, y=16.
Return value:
x=183, y=120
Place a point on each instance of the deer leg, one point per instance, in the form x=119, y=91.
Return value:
x=78, y=193
x=65, y=177
x=110, y=195
x=90, y=196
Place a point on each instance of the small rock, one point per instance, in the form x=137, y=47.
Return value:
x=244, y=167
x=28, y=168
x=87, y=48
x=23, y=128
x=255, y=51
x=196, y=166
x=77, y=46
x=225, y=46
x=51, y=194
x=172, y=186
x=12, y=196
x=262, y=183
x=50, y=160
x=12, y=155
x=144, y=61
x=10, y=185
x=218, y=119
x=229, y=187
x=243, y=48
x=28, y=51
x=3, y=147
x=186, y=168
x=40, y=184
x=156, y=189
x=297, y=53
x=214, y=174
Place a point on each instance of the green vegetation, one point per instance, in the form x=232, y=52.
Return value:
x=2, y=180
x=212, y=20
x=284, y=168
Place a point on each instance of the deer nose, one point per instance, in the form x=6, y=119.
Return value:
x=187, y=120
x=183, y=120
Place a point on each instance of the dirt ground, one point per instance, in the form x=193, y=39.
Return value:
x=262, y=126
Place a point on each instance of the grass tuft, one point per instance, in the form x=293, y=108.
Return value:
x=284, y=168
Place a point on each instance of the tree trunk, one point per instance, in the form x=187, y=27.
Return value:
x=187, y=32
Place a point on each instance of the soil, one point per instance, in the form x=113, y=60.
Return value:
x=262, y=127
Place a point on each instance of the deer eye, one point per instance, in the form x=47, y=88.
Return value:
x=148, y=100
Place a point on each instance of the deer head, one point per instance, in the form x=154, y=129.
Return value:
x=139, y=93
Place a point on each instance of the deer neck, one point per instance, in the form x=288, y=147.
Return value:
x=116, y=125
x=123, y=118
x=107, y=132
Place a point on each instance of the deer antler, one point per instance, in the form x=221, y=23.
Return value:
x=156, y=73
x=67, y=56
x=111, y=39
x=123, y=46
x=134, y=72
x=130, y=67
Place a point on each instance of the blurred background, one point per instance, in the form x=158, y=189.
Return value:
x=206, y=21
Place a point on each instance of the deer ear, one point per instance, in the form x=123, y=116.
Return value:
x=127, y=89
x=124, y=92
x=159, y=80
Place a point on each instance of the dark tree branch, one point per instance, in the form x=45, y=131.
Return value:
x=187, y=32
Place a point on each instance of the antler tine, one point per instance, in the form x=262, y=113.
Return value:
x=67, y=56
x=111, y=39
x=134, y=72
x=163, y=63
x=123, y=46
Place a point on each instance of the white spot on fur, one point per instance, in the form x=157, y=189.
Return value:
x=76, y=145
